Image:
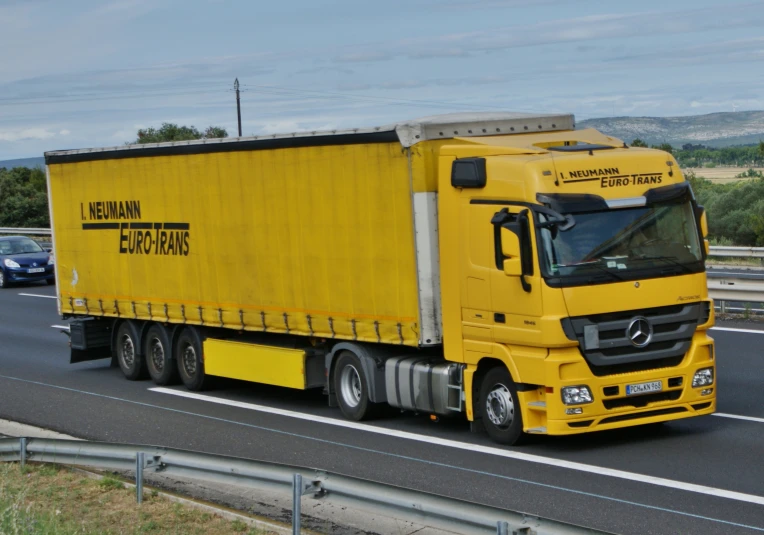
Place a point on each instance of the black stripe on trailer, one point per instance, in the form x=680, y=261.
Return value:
x=388, y=136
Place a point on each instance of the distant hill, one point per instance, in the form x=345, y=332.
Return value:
x=713, y=129
x=23, y=162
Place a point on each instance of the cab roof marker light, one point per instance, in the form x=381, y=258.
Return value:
x=629, y=202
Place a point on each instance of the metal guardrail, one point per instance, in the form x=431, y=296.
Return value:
x=26, y=231
x=437, y=511
x=736, y=252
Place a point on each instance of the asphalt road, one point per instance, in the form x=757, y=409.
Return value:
x=702, y=475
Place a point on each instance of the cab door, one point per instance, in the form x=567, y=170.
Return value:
x=516, y=301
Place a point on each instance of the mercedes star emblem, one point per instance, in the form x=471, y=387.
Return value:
x=639, y=332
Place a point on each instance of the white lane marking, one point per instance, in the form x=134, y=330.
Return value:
x=39, y=295
x=65, y=327
x=740, y=417
x=549, y=461
x=736, y=330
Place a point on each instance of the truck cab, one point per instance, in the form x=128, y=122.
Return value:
x=573, y=284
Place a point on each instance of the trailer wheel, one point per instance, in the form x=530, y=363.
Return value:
x=188, y=354
x=350, y=385
x=500, y=408
x=128, y=356
x=159, y=359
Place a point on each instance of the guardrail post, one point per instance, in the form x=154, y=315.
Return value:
x=502, y=528
x=296, y=503
x=723, y=306
x=139, y=459
x=23, y=451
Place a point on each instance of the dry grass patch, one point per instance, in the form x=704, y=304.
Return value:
x=47, y=500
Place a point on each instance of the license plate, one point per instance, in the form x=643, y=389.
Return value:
x=36, y=270
x=644, y=388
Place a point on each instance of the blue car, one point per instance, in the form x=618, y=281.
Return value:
x=23, y=260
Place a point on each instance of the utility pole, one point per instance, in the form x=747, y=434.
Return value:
x=238, y=103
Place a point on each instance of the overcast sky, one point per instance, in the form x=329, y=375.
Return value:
x=85, y=73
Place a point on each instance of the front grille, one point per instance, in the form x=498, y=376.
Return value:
x=607, y=347
x=642, y=401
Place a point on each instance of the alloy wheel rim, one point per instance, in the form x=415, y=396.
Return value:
x=157, y=354
x=350, y=386
x=499, y=406
x=189, y=360
x=128, y=351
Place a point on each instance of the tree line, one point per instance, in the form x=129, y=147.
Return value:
x=695, y=156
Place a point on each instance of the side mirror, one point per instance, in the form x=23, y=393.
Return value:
x=703, y=223
x=510, y=248
x=512, y=245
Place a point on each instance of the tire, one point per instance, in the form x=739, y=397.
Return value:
x=190, y=359
x=130, y=361
x=500, y=408
x=160, y=361
x=50, y=282
x=3, y=281
x=351, y=388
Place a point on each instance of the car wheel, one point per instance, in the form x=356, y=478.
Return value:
x=3, y=281
x=500, y=408
x=351, y=388
x=159, y=359
x=128, y=355
x=190, y=359
x=50, y=282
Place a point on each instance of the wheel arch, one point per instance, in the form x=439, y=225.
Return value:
x=373, y=363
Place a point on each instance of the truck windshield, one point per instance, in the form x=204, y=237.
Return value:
x=623, y=244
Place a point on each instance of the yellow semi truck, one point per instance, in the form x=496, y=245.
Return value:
x=533, y=277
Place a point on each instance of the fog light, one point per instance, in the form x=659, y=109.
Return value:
x=577, y=410
x=706, y=391
x=576, y=395
x=703, y=377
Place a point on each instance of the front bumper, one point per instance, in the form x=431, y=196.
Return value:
x=23, y=275
x=611, y=408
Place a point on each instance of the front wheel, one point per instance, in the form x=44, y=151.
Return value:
x=3, y=280
x=190, y=359
x=500, y=407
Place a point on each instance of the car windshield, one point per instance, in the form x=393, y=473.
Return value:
x=622, y=244
x=19, y=246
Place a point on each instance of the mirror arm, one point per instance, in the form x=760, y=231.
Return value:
x=526, y=285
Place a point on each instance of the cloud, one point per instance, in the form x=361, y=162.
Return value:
x=64, y=132
x=26, y=134
x=363, y=57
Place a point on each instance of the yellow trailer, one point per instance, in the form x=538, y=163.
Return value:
x=340, y=259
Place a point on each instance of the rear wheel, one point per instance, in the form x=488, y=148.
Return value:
x=159, y=359
x=130, y=361
x=500, y=408
x=351, y=388
x=188, y=354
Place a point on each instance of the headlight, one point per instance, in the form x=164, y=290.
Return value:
x=703, y=377
x=11, y=264
x=51, y=260
x=576, y=395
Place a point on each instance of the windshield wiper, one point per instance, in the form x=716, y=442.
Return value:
x=669, y=259
x=595, y=264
